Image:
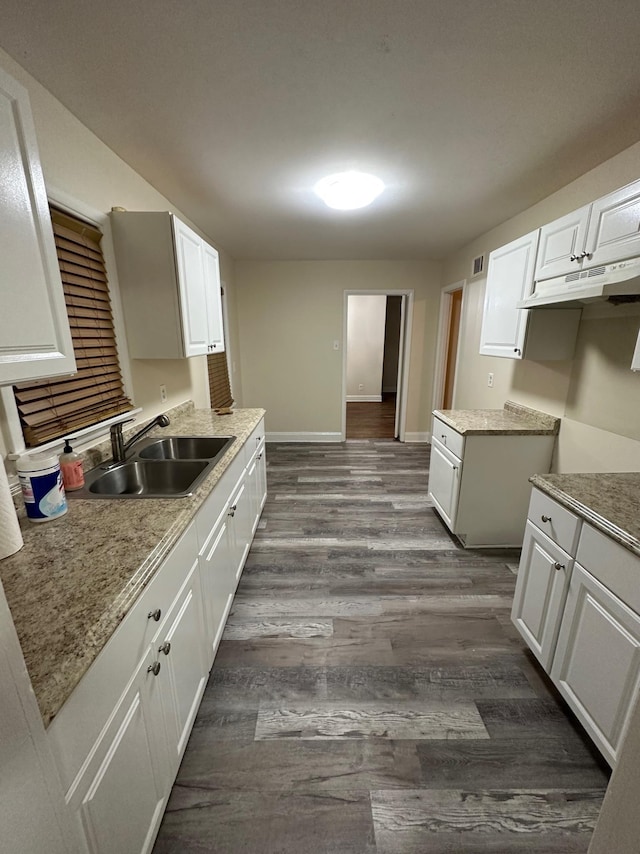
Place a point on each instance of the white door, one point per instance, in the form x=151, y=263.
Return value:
x=191, y=281
x=614, y=228
x=218, y=583
x=541, y=590
x=181, y=654
x=124, y=783
x=445, y=471
x=597, y=661
x=509, y=280
x=35, y=341
x=214, y=301
x=562, y=244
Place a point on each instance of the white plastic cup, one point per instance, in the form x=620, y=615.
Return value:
x=42, y=489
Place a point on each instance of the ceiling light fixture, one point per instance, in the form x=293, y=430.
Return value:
x=349, y=190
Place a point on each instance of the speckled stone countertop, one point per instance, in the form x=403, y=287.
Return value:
x=76, y=577
x=609, y=502
x=514, y=420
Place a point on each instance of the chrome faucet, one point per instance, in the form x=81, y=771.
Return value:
x=119, y=447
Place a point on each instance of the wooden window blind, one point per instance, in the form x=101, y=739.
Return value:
x=51, y=409
x=219, y=386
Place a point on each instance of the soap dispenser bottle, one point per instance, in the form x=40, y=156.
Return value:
x=71, y=468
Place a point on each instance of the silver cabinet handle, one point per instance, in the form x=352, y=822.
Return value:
x=585, y=254
x=559, y=566
x=545, y=518
x=154, y=615
x=154, y=668
x=444, y=438
x=516, y=350
x=574, y=257
x=455, y=468
x=232, y=510
x=165, y=647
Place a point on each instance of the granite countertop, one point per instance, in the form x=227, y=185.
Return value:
x=609, y=502
x=513, y=420
x=76, y=577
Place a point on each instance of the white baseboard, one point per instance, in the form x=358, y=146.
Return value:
x=364, y=398
x=418, y=437
x=303, y=437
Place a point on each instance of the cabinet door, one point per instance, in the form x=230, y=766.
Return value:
x=261, y=477
x=122, y=792
x=214, y=299
x=445, y=471
x=614, y=228
x=181, y=654
x=597, y=661
x=561, y=245
x=218, y=583
x=509, y=280
x=541, y=590
x=191, y=282
x=35, y=340
x=241, y=528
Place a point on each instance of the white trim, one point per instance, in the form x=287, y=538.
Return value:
x=422, y=437
x=364, y=398
x=404, y=361
x=304, y=437
x=443, y=342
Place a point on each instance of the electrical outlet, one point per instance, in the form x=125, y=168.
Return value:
x=163, y=394
x=490, y=380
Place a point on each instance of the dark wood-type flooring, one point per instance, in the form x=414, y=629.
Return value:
x=370, y=693
x=370, y=420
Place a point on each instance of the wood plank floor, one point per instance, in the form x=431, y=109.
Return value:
x=370, y=693
x=370, y=420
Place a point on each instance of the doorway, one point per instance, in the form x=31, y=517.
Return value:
x=451, y=307
x=374, y=364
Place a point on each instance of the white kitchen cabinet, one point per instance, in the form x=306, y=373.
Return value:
x=597, y=661
x=606, y=231
x=170, y=285
x=541, y=588
x=181, y=654
x=562, y=243
x=35, y=340
x=513, y=333
x=218, y=581
x=479, y=482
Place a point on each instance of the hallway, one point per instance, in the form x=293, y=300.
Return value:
x=369, y=420
x=370, y=693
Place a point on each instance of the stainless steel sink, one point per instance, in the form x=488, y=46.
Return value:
x=184, y=447
x=144, y=479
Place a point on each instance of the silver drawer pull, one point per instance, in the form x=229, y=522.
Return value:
x=545, y=518
x=559, y=566
x=444, y=439
x=154, y=615
x=165, y=647
x=154, y=668
x=232, y=510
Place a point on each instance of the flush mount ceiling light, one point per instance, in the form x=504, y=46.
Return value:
x=349, y=190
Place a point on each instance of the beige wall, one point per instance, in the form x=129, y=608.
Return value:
x=365, y=344
x=78, y=167
x=291, y=312
x=595, y=392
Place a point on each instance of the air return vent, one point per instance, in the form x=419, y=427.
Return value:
x=477, y=266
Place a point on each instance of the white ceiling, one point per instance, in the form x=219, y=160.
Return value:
x=469, y=110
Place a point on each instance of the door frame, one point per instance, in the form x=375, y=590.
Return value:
x=442, y=341
x=406, y=322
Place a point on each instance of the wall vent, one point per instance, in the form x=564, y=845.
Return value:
x=477, y=266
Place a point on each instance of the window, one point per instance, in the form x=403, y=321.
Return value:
x=52, y=409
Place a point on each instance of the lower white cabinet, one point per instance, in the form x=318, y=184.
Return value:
x=541, y=591
x=479, y=483
x=119, y=738
x=578, y=610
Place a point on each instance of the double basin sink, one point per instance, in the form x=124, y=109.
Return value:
x=167, y=467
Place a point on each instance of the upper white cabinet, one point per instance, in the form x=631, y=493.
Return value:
x=600, y=233
x=170, y=284
x=35, y=341
x=514, y=333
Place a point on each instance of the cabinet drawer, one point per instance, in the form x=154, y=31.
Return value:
x=556, y=521
x=611, y=564
x=449, y=437
x=75, y=729
x=254, y=441
x=214, y=506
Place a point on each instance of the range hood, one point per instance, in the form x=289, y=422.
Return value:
x=618, y=282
